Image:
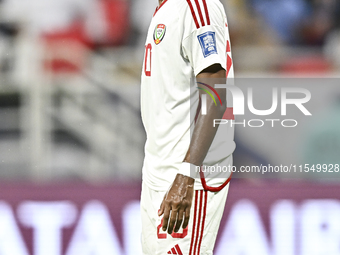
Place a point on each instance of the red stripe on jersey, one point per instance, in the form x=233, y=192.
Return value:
x=203, y=221
x=206, y=11
x=229, y=64
x=199, y=220
x=194, y=223
x=179, y=252
x=200, y=12
x=173, y=251
x=193, y=14
x=229, y=114
x=228, y=46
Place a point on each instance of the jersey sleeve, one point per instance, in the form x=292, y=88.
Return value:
x=204, y=38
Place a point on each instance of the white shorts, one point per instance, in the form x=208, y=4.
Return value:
x=200, y=235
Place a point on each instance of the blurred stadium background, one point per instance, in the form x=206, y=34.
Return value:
x=71, y=137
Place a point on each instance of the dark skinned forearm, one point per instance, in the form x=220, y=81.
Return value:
x=204, y=131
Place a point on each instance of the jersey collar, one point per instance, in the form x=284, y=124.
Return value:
x=158, y=7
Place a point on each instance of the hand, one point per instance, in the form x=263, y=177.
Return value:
x=178, y=201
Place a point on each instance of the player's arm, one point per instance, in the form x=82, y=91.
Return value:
x=204, y=131
x=177, y=201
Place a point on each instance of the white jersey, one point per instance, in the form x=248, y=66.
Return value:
x=184, y=38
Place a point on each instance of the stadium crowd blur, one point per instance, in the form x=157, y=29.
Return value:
x=115, y=23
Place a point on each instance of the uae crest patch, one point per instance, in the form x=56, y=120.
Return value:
x=159, y=33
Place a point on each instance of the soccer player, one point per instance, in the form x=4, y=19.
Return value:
x=187, y=52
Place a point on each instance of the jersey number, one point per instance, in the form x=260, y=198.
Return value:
x=173, y=234
x=147, y=61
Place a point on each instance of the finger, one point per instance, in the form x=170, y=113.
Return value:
x=166, y=217
x=161, y=209
x=179, y=220
x=186, y=217
x=172, y=221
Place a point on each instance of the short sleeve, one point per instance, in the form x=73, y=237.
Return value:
x=204, y=42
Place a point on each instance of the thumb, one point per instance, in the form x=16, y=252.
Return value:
x=161, y=210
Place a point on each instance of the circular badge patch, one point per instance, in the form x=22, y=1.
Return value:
x=159, y=33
